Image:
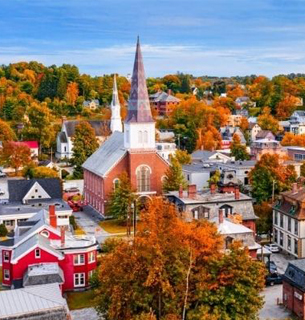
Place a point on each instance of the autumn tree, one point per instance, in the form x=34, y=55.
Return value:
x=121, y=198
x=183, y=157
x=40, y=172
x=239, y=150
x=215, y=178
x=72, y=93
x=174, y=177
x=209, y=139
x=84, y=144
x=6, y=133
x=267, y=122
x=270, y=174
x=178, y=270
x=286, y=106
x=15, y=155
x=291, y=139
x=264, y=212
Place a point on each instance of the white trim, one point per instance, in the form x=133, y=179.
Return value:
x=143, y=165
x=90, y=255
x=37, y=253
x=79, y=278
x=78, y=256
x=6, y=254
x=9, y=274
x=34, y=186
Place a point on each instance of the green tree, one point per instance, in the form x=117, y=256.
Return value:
x=3, y=230
x=183, y=157
x=270, y=174
x=215, y=178
x=264, y=212
x=178, y=270
x=121, y=198
x=238, y=150
x=174, y=177
x=84, y=144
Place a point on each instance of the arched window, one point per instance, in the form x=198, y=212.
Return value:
x=143, y=179
x=145, y=137
x=116, y=183
x=201, y=213
x=140, y=137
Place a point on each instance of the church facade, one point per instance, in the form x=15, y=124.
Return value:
x=132, y=151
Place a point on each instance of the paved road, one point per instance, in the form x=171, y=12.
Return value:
x=270, y=309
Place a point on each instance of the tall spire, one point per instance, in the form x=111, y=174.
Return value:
x=138, y=103
x=116, y=122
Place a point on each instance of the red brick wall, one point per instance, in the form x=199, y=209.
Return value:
x=288, y=294
x=250, y=224
x=292, y=302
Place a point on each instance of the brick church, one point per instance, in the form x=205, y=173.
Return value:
x=133, y=151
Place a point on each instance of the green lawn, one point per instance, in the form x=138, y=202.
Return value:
x=113, y=226
x=80, y=300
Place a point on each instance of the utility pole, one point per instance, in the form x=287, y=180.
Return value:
x=273, y=183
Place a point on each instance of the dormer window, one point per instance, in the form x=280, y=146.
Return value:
x=6, y=256
x=37, y=253
x=36, y=190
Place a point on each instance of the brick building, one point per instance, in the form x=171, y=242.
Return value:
x=133, y=151
x=294, y=287
x=163, y=102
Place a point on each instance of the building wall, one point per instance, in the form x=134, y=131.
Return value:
x=293, y=299
x=200, y=179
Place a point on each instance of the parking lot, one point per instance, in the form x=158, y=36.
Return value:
x=273, y=294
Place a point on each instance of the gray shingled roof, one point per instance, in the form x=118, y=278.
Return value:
x=18, y=188
x=35, y=300
x=97, y=125
x=163, y=97
x=107, y=155
x=295, y=273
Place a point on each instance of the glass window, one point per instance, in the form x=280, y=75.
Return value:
x=6, y=274
x=79, y=279
x=143, y=179
x=90, y=274
x=275, y=236
x=6, y=256
x=275, y=218
x=91, y=257
x=37, y=253
x=296, y=227
x=281, y=239
x=289, y=224
x=79, y=259
x=281, y=220
x=289, y=243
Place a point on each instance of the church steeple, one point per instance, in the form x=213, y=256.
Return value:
x=139, y=128
x=116, y=122
x=138, y=104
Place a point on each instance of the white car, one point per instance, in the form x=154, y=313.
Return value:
x=272, y=247
x=1, y=192
x=2, y=174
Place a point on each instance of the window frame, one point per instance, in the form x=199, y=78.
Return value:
x=37, y=256
x=6, y=274
x=78, y=258
x=91, y=257
x=77, y=277
x=6, y=256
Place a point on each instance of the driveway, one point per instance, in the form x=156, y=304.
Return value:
x=281, y=261
x=271, y=310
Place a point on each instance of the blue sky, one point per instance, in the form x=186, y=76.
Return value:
x=202, y=37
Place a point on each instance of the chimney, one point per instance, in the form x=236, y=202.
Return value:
x=62, y=236
x=220, y=215
x=237, y=194
x=52, y=216
x=192, y=191
x=213, y=188
x=180, y=191
x=294, y=187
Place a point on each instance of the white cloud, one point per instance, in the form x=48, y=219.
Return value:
x=161, y=60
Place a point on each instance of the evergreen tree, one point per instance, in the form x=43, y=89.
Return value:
x=121, y=198
x=84, y=144
x=238, y=150
x=174, y=177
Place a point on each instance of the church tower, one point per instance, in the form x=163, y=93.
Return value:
x=139, y=126
x=116, y=122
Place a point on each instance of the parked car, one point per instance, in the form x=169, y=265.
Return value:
x=271, y=266
x=72, y=189
x=273, y=278
x=2, y=174
x=272, y=247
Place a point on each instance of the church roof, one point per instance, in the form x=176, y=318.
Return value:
x=109, y=153
x=138, y=103
x=98, y=126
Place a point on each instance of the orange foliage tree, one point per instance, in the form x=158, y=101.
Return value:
x=191, y=275
x=291, y=139
x=267, y=122
x=72, y=93
x=286, y=106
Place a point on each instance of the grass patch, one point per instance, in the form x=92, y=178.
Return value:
x=113, y=226
x=80, y=300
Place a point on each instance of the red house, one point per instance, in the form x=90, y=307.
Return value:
x=132, y=151
x=42, y=253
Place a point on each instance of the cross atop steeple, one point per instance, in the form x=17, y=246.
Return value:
x=138, y=103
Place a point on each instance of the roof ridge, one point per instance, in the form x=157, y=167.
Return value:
x=37, y=295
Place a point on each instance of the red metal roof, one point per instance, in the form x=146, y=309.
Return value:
x=30, y=144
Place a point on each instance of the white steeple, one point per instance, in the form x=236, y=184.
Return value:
x=116, y=122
